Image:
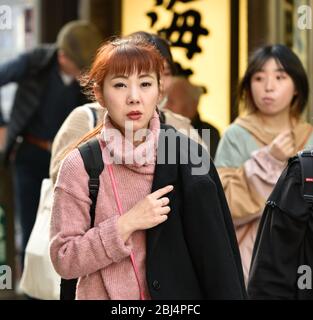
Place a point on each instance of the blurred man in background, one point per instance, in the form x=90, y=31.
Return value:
x=47, y=92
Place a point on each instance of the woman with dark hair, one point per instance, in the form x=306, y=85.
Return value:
x=154, y=236
x=255, y=148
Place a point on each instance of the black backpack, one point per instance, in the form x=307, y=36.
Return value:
x=306, y=163
x=93, y=162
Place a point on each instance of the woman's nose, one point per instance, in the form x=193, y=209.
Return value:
x=133, y=95
x=269, y=84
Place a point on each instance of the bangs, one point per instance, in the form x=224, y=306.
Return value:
x=260, y=63
x=122, y=57
x=261, y=56
x=129, y=60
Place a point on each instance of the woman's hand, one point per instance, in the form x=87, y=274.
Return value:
x=146, y=214
x=283, y=146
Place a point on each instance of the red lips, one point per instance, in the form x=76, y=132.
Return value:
x=134, y=115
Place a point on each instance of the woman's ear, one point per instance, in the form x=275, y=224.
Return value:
x=98, y=94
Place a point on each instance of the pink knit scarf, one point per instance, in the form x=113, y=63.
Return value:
x=121, y=150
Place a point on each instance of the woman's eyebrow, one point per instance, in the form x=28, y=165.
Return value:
x=144, y=75
x=276, y=70
x=119, y=76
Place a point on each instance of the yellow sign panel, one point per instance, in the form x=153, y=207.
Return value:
x=211, y=67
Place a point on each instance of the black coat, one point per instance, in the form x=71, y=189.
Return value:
x=30, y=71
x=194, y=254
x=284, y=241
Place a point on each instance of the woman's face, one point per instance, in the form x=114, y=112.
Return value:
x=130, y=99
x=272, y=89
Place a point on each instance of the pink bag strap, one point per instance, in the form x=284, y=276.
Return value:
x=120, y=209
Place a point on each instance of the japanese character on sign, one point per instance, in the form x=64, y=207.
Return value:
x=171, y=3
x=186, y=23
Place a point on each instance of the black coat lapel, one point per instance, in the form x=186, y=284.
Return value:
x=165, y=174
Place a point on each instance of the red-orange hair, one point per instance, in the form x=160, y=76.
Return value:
x=123, y=56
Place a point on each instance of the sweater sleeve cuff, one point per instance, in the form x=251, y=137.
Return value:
x=272, y=166
x=275, y=162
x=113, y=243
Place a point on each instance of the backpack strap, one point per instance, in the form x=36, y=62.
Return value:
x=94, y=116
x=162, y=117
x=306, y=163
x=93, y=162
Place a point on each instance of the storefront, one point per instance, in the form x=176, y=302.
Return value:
x=203, y=43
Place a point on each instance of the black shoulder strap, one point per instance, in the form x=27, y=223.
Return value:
x=94, y=115
x=162, y=116
x=93, y=162
x=306, y=162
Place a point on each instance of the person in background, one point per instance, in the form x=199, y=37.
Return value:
x=254, y=150
x=47, y=92
x=183, y=98
x=148, y=240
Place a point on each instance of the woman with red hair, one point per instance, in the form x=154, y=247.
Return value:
x=154, y=234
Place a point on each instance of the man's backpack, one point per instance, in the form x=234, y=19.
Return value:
x=94, y=165
x=306, y=163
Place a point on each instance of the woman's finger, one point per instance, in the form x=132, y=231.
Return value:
x=163, y=201
x=161, y=192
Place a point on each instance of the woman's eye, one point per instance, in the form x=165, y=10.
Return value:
x=146, y=84
x=280, y=77
x=119, y=85
x=258, y=78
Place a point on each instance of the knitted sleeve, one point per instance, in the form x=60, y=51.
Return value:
x=75, y=249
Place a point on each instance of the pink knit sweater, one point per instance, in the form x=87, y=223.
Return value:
x=98, y=256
